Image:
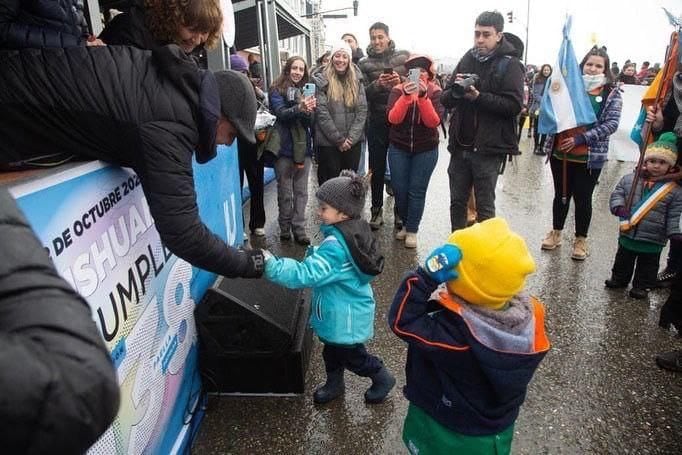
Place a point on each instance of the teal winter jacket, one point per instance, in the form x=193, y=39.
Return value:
x=339, y=271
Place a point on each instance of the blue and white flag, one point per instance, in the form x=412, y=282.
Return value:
x=565, y=103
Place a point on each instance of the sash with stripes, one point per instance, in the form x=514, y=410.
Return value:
x=657, y=193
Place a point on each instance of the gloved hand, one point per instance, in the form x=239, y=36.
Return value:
x=441, y=263
x=621, y=211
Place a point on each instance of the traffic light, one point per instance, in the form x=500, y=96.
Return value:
x=510, y=16
x=355, y=7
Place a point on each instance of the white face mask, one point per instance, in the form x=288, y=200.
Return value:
x=593, y=81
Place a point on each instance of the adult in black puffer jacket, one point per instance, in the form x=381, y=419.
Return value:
x=42, y=23
x=138, y=109
x=58, y=385
x=381, y=54
x=483, y=124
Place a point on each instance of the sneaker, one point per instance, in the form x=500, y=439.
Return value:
x=552, y=240
x=665, y=278
x=411, y=240
x=259, y=232
x=377, y=218
x=613, y=283
x=637, y=293
x=285, y=235
x=579, y=249
x=670, y=360
x=401, y=234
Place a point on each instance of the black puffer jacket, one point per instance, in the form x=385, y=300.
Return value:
x=487, y=124
x=129, y=107
x=41, y=23
x=372, y=66
x=129, y=29
x=57, y=382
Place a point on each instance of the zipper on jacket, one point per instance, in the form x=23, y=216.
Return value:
x=414, y=111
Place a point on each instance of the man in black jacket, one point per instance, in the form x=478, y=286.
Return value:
x=483, y=124
x=57, y=382
x=145, y=110
x=382, y=69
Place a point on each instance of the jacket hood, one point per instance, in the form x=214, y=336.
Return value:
x=363, y=247
x=389, y=50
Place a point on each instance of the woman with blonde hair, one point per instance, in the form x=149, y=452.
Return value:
x=150, y=23
x=341, y=114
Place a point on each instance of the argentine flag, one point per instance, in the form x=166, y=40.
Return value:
x=565, y=103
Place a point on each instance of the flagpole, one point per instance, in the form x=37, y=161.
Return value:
x=646, y=129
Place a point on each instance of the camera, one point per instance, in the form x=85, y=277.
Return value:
x=461, y=86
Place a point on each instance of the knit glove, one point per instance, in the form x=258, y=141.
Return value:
x=441, y=263
x=621, y=212
x=256, y=262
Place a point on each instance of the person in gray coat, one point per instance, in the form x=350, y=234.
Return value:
x=341, y=114
x=654, y=216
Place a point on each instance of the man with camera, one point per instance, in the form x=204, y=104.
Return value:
x=486, y=96
x=382, y=70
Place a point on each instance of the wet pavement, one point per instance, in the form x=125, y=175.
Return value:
x=598, y=391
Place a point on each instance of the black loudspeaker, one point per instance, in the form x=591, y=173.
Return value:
x=254, y=338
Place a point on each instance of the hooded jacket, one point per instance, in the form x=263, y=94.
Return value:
x=334, y=121
x=488, y=124
x=42, y=23
x=661, y=222
x=372, y=66
x=58, y=384
x=339, y=270
x=130, y=107
x=467, y=367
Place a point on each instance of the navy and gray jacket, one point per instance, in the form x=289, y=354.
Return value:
x=289, y=116
x=467, y=367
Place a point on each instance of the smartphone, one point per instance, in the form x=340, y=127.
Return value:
x=388, y=70
x=308, y=90
x=413, y=75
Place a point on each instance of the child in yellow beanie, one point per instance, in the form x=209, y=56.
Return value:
x=653, y=218
x=473, y=346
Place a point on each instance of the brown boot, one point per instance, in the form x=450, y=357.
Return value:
x=579, y=249
x=552, y=240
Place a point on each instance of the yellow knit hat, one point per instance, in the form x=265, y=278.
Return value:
x=495, y=263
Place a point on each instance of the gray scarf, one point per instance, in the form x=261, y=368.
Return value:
x=482, y=58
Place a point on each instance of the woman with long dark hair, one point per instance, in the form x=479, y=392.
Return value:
x=578, y=154
x=294, y=117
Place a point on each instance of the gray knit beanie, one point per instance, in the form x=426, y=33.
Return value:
x=346, y=193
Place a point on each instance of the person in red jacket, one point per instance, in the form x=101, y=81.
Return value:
x=414, y=113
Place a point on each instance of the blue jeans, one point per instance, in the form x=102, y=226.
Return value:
x=410, y=175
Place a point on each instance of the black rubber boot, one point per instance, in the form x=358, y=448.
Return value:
x=382, y=383
x=332, y=389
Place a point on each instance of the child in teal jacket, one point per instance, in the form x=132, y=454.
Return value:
x=339, y=271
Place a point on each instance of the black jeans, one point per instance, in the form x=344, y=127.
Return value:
x=253, y=168
x=674, y=263
x=331, y=161
x=645, y=270
x=377, y=143
x=671, y=311
x=353, y=357
x=580, y=183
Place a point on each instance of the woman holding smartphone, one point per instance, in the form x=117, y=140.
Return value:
x=294, y=114
x=414, y=113
x=341, y=115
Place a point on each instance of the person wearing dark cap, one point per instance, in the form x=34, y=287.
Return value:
x=145, y=110
x=340, y=270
